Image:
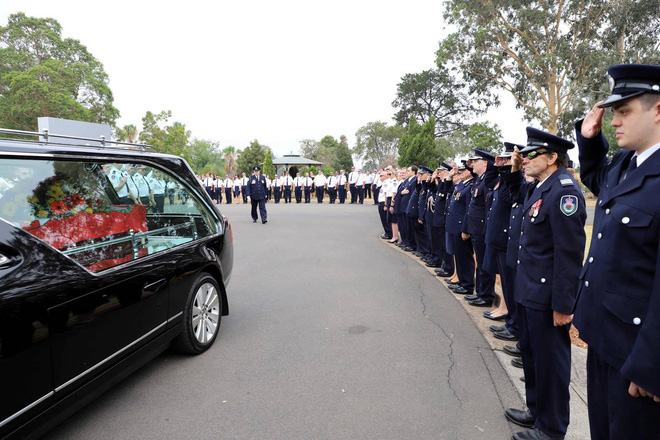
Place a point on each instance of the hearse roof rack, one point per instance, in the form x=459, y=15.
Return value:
x=101, y=141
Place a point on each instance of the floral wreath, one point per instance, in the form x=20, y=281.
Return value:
x=60, y=196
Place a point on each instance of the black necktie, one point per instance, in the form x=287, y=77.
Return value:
x=631, y=166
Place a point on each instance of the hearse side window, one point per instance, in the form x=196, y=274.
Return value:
x=101, y=214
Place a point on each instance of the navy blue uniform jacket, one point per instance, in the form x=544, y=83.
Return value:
x=256, y=187
x=551, y=242
x=476, y=218
x=413, y=203
x=618, y=309
x=457, y=210
x=401, y=200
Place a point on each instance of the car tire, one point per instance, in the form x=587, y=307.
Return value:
x=201, y=317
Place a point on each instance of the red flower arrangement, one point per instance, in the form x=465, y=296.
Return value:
x=60, y=196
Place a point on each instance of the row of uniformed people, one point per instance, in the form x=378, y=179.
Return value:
x=135, y=184
x=523, y=215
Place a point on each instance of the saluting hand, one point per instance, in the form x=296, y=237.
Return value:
x=561, y=319
x=593, y=122
x=516, y=160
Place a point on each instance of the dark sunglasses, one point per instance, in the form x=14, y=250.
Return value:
x=532, y=154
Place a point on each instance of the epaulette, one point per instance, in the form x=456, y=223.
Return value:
x=566, y=180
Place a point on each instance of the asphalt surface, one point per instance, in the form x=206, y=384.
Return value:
x=332, y=334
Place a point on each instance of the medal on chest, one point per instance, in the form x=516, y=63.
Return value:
x=457, y=196
x=254, y=181
x=496, y=186
x=476, y=192
x=536, y=207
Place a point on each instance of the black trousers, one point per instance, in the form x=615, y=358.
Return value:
x=360, y=191
x=287, y=194
x=546, y=356
x=341, y=193
x=332, y=193
x=385, y=219
x=508, y=279
x=402, y=221
x=421, y=240
x=228, y=195
x=308, y=194
x=485, y=280
x=319, y=195
x=464, y=257
x=262, y=209
x=353, y=192
x=613, y=413
x=298, y=193
x=367, y=190
x=376, y=191
x=160, y=203
x=244, y=193
x=278, y=195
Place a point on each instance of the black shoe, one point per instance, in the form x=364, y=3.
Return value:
x=512, y=350
x=265, y=221
x=442, y=273
x=521, y=418
x=522, y=379
x=480, y=303
x=386, y=237
x=470, y=297
x=497, y=328
x=461, y=291
x=534, y=434
x=254, y=220
x=495, y=318
x=455, y=286
x=505, y=335
x=408, y=249
x=417, y=254
x=450, y=282
x=429, y=264
x=517, y=362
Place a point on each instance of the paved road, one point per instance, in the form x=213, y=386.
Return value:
x=331, y=335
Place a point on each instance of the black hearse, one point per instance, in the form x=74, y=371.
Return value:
x=109, y=254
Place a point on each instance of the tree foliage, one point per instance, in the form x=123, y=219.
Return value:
x=436, y=94
x=344, y=160
x=377, y=144
x=269, y=168
x=251, y=156
x=170, y=139
x=482, y=135
x=206, y=157
x=418, y=145
x=127, y=133
x=550, y=56
x=329, y=151
x=230, y=156
x=42, y=74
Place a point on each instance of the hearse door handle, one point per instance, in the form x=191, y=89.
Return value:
x=154, y=287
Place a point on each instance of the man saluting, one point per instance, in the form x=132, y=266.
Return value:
x=618, y=308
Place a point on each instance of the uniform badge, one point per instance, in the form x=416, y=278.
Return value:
x=476, y=192
x=254, y=181
x=536, y=208
x=568, y=205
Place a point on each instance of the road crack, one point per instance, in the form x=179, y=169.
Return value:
x=449, y=336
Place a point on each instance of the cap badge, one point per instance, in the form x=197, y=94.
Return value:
x=611, y=80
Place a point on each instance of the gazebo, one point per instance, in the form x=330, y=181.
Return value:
x=291, y=163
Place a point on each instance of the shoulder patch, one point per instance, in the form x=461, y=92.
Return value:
x=568, y=205
x=566, y=180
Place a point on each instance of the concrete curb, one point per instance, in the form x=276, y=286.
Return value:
x=579, y=425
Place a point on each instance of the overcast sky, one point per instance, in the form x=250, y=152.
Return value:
x=277, y=71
